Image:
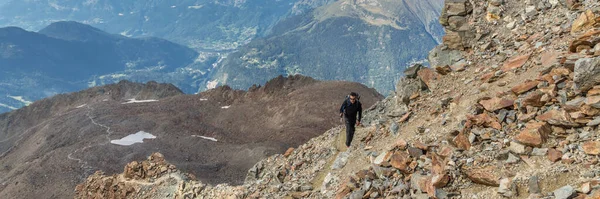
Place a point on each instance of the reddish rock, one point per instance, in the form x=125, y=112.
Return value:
x=549, y=58
x=524, y=87
x=554, y=155
x=462, y=142
x=484, y=176
x=589, y=110
x=515, y=62
x=443, y=70
x=591, y=147
x=427, y=75
x=488, y=77
x=288, y=152
x=421, y=146
x=593, y=92
x=401, y=144
x=496, y=103
x=400, y=161
x=485, y=120
x=404, y=118
x=557, y=117
x=534, y=99
x=445, y=151
x=534, y=134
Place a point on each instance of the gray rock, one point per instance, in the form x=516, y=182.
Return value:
x=394, y=128
x=587, y=73
x=400, y=188
x=341, y=160
x=512, y=159
x=374, y=195
x=306, y=188
x=506, y=188
x=502, y=115
x=594, y=122
x=564, y=192
x=533, y=185
x=414, y=182
x=439, y=57
x=576, y=102
x=441, y=194
x=411, y=72
x=516, y=148
x=415, y=152
x=539, y=151
x=358, y=194
x=457, y=8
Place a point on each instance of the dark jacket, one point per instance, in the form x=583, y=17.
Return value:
x=351, y=110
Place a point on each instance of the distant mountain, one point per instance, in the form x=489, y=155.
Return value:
x=67, y=56
x=53, y=144
x=200, y=24
x=369, y=41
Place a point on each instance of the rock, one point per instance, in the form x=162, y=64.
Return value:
x=585, y=21
x=462, y=142
x=554, y=155
x=587, y=73
x=394, y=128
x=411, y=72
x=288, y=152
x=534, y=99
x=401, y=144
x=457, y=8
x=497, y=2
x=549, y=58
x=358, y=194
x=415, y=152
x=400, y=161
x=534, y=134
x=484, y=176
x=512, y=159
x=539, y=151
x=594, y=122
x=457, y=23
x=341, y=160
x=383, y=158
x=524, y=87
x=453, y=40
x=485, y=120
x=591, y=147
x=507, y=188
x=496, y=103
x=511, y=25
x=558, y=118
x=534, y=187
x=406, y=87
x=564, y=192
x=459, y=66
x=593, y=101
x=516, y=148
x=427, y=75
x=515, y=62
x=586, y=188
x=439, y=57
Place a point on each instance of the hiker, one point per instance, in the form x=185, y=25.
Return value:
x=349, y=110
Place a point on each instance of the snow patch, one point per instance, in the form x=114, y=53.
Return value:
x=7, y=106
x=81, y=106
x=203, y=137
x=121, y=14
x=20, y=99
x=203, y=99
x=212, y=84
x=225, y=107
x=195, y=7
x=130, y=101
x=133, y=138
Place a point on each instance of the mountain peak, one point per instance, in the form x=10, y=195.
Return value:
x=75, y=31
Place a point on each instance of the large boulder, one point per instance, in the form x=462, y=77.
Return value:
x=587, y=73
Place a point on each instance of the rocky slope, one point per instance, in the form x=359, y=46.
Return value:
x=508, y=110
x=217, y=135
x=369, y=41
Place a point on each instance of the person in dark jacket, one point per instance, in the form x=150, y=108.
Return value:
x=351, y=108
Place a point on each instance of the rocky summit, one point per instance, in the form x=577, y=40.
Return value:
x=509, y=108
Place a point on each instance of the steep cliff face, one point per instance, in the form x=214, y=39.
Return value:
x=512, y=112
x=370, y=42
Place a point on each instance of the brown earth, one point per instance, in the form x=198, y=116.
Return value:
x=55, y=143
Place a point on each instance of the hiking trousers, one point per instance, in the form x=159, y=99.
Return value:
x=349, y=130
